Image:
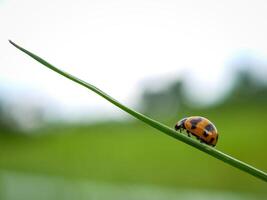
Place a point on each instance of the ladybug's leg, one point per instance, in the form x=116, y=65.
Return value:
x=188, y=133
x=203, y=141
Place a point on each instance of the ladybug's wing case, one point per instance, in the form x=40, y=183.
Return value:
x=200, y=123
x=194, y=122
x=211, y=128
x=200, y=127
x=195, y=125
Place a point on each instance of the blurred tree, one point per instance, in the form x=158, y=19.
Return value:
x=19, y=117
x=5, y=121
x=164, y=103
x=247, y=88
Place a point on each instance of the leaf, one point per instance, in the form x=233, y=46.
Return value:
x=157, y=125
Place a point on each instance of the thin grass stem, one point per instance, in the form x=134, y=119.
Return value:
x=161, y=127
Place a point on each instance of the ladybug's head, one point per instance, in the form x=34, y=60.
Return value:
x=180, y=124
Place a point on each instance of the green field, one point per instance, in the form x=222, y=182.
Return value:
x=134, y=153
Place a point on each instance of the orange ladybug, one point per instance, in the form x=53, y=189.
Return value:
x=200, y=127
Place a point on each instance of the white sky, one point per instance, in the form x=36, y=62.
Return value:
x=116, y=45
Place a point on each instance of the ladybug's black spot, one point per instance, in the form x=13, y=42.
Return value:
x=194, y=122
x=206, y=134
x=211, y=140
x=210, y=127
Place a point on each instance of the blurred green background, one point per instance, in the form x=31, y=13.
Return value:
x=129, y=160
x=167, y=59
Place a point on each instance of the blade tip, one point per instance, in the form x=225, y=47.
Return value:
x=11, y=42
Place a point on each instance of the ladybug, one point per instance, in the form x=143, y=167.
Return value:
x=200, y=127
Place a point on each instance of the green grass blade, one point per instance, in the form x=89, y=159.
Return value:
x=161, y=127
